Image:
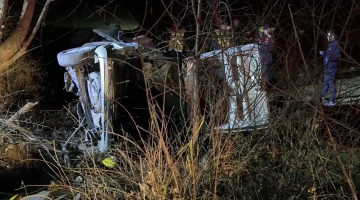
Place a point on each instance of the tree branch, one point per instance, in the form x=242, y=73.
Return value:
x=25, y=45
x=16, y=39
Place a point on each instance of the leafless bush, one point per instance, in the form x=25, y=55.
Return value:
x=24, y=77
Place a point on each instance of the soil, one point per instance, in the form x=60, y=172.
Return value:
x=17, y=150
x=12, y=155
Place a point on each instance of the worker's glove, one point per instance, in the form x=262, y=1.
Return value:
x=321, y=53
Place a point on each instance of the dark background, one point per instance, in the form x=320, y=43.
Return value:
x=156, y=20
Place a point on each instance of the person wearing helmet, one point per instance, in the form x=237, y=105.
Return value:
x=221, y=38
x=266, y=43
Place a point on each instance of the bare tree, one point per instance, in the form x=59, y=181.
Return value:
x=18, y=41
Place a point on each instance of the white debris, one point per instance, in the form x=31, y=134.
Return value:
x=43, y=195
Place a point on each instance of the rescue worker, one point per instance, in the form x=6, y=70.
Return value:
x=222, y=37
x=176, y=39
x=266, y=43
x=331, y=59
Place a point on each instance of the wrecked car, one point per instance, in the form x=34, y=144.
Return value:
x=95, y=69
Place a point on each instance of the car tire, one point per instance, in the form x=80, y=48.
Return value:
x=76, y=56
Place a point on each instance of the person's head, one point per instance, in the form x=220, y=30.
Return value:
x=331, y=35
x=224, y=24
x=236, y=22
x=267, y=28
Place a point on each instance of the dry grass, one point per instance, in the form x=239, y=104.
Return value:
x=23, y=78
x=264, y=165
x=20, y=81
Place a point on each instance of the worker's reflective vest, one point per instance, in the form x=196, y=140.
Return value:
x=261, y=30
x=223, y=39
x=177, y=41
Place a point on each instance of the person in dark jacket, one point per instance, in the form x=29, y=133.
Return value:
x=331, y=60
x=266, y=43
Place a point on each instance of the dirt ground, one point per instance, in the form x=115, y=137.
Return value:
x=47, y=127
x=15, y=155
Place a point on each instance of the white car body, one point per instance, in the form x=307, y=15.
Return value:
x=249, y=85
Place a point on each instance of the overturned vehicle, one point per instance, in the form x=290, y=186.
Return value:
x=100, y=72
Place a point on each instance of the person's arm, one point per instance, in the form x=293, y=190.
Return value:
x=214, y=43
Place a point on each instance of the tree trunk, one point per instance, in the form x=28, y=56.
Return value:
x=16, y=45
x=3, y=9
x=11, y=45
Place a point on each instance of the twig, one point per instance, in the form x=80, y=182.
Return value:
x=298, y=41
x=29, y=135
x=28, y=106
x=76, y=130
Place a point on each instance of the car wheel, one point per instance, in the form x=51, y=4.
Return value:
x=76, y=56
